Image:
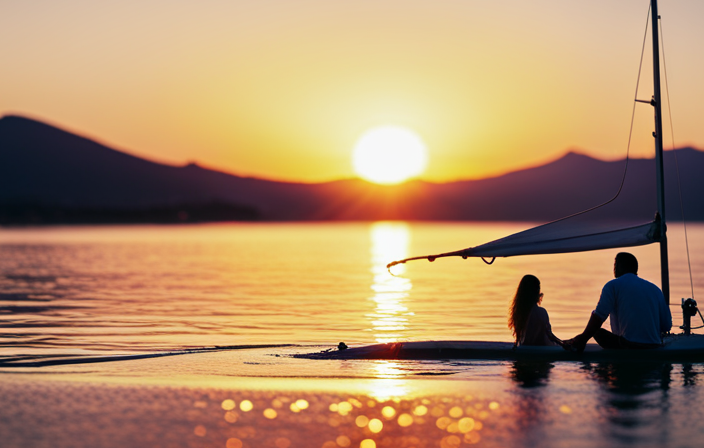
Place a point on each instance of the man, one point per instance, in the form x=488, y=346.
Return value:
x=639, y=313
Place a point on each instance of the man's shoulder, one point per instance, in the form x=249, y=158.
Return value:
x=626, y=279
x=619, y=282
x=632, y=280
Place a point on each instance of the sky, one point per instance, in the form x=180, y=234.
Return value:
x=283, y=89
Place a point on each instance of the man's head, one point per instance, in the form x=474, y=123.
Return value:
x=625, y=263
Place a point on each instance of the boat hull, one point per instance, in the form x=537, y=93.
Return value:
x=676, y=348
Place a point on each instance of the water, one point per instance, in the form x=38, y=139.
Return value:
x=91, y=292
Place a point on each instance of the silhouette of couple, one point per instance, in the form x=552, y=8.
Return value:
x=639, y=313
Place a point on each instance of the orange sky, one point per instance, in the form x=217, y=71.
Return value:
x=282, y=89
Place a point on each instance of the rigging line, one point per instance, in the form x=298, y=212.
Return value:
x=677, y=164
x=630, y=134
x=620, y=188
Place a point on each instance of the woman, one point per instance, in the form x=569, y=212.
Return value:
x=530, y=322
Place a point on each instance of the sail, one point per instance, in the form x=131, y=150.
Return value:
x=551, y=240
x=557, y=238
x=563, y=236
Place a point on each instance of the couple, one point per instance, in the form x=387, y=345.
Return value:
x=639, y=313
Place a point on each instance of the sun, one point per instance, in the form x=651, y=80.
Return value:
x=389, y=155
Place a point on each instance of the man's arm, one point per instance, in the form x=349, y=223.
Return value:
x=604, y=308
x=580, y=341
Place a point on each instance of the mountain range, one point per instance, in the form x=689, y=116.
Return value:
x=48, y=175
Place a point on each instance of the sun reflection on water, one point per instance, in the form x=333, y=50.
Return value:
x=390, y=317
x=389, y=384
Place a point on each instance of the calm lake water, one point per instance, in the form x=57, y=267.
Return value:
x=153, y=288
x=103, y=291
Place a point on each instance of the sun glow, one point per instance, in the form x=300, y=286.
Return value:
x=389, y=155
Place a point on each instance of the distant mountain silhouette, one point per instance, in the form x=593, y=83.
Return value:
x=48, y=175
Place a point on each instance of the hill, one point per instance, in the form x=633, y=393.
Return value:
x=48, y=175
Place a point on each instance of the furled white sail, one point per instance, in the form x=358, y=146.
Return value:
x=559, y=237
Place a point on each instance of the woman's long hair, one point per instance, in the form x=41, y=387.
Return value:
x=527, y=295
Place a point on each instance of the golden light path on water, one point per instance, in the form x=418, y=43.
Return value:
x=390, y=316
x=389, y=384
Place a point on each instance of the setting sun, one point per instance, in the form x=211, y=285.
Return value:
x=389, y=155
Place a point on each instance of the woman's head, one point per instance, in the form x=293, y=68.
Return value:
x=529, y=289
x=527, y=294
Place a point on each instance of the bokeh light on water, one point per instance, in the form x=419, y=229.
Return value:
x=227, y=419
x=505, y=404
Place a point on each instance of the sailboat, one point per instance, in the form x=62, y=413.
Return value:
x=563, y=236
